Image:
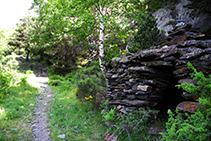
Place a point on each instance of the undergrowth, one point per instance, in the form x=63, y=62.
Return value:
x=77, y=120
x=15, y=97
x=196, y=126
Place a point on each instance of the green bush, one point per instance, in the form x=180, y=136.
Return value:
x=197, y=126
x=130, y=124
x=9, y=75
x=89, y=90
x=147, y=34
x=112, y=52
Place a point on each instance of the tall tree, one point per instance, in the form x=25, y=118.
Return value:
x=78, y=19
x=20, y=39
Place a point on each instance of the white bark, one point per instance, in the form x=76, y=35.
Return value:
x=101, y=41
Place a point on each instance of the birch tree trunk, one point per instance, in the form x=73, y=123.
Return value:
x=101, y=41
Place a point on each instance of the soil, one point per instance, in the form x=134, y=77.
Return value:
x=39, y=123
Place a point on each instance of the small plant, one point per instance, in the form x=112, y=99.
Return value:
x=197, y=126
x=88, y=90
x=147, y=34
x=110, y=115
x=112, y=52
x=130, y=124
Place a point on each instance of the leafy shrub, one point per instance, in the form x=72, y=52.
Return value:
x=197, y=126
x=130, y=124
x=147, y=34
x=9, y=75
x=89, y=90
x=112, y=52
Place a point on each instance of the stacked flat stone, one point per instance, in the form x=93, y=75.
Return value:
x=141, y=79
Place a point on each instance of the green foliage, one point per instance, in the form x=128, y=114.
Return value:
x=90, y=90
x=15, y=97
x=202, y=6
x=9, y=75
x=112, y=52
x=69, y=116
x=89, y=83
x=5, y=49
x=66, y=107
x=16, y=114
x=110, y=115
x=20, y=40
x=130, y=124
x=147, y=34
x=197, y=126
x=153, y=5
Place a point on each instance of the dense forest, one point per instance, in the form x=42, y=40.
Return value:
x=75, y=40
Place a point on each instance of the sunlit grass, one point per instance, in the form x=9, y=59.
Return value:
x=2, y=113
x=74, y=119
x=16, y=114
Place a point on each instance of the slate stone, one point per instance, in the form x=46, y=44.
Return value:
x=205, y=43
x=128, y=83
x=131, y=97
x=122, y=75
x=188, y=106
x=124, y=66
x=154, y=98
x=114, y=76
x=156, y=63
x=205, y=58
x=190, y=96
x=144, y=88
x=119, y=94
x=170, y=58
x=114, y=83
x=120, y=87
x=142, y=97
x=120, y=70
x=189, y=81
x=108, y=75
x=136, y=103
x=128, y=91
x=114, y=62
x=143, y=92
x=191, y=52
x=141, y=69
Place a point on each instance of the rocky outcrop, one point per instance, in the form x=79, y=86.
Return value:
x=168, y=15
x=143, y=79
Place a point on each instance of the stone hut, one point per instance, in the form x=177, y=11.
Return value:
x=148, y=77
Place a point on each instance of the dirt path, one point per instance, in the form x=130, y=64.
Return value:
x=39, y=124
x=39, y=79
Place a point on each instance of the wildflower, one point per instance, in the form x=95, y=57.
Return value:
x=119, y=35
x=87, y=98
x=123, y=53
x=136, y=30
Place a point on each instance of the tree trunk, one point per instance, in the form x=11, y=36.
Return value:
x=101, y=42
x=27, y=56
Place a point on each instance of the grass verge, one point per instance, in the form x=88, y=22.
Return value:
x=76, y=120
x=16, y=113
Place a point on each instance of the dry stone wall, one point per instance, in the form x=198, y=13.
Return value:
x=142, y=79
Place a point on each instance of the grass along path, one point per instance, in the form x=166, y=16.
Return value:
x=70, y=120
